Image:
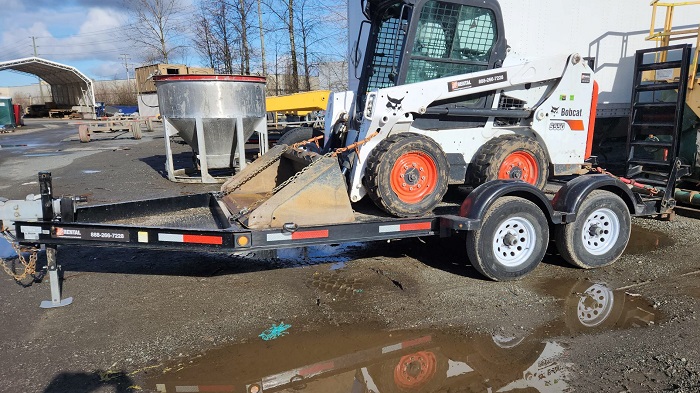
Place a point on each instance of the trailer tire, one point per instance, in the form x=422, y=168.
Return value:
x=512, y=239
x=407, y=156
x=600, y=233
x=510, y=157
x=84, y=133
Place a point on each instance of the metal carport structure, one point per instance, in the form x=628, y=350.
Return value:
x=69, y=87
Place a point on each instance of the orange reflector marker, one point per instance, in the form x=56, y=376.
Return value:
x=242, y=241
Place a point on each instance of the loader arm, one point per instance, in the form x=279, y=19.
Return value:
x=386, y=108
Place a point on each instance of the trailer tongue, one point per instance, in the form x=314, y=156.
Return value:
x=288, y=185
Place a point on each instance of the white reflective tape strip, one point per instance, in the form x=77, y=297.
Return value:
x=389, y=228
x=168, y=237
x=187, y=389
x=275, y=237
x=392, y=348
x=143, y=237
x=27, y=229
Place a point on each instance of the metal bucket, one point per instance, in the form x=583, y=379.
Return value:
x=214, y=115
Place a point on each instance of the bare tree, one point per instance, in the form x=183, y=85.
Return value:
x=115, y=92
x=157, y=25
x=262, y=38
x=204, y=40
x=224, y=35
x=309, y=22
x=285, y=14
x=241, y=23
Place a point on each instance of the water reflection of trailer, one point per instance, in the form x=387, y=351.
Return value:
x=417, y=361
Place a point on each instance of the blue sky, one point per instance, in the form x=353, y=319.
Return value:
x=90, y=36
x=80, y=33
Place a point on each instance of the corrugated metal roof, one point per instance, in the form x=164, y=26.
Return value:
x=68, y=85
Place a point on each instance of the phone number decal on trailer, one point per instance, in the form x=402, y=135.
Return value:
x=115, y=235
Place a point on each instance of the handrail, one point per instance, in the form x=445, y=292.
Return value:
x=668, y=34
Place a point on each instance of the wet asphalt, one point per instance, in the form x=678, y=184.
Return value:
x=408, y=315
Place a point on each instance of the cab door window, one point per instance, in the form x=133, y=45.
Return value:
x=451, y=39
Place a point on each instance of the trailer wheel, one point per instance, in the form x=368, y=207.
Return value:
x=600, y=233
x=510, y=157
x=406, y=174
x=512, y=239
x=83, y=133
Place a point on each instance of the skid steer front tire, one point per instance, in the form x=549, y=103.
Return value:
x=407, y=174
x=510, y=157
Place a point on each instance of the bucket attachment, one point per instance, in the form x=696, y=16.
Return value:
x=317, y=194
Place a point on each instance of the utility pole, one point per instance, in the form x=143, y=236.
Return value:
x=126, y=67
x=41, y=88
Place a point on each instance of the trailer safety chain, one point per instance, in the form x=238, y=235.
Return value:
x=333, y=153
x=355, y=145
x=29, y=266
x=252, y=175
x=653, y=191
x=267, y=195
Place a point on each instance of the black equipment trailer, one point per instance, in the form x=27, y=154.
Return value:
x=506, y=224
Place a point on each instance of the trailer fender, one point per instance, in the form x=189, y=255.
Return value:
x=478, y=201
x=569, y=198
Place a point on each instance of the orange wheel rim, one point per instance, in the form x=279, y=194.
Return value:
x=519, y=165
x=413, y=176
x=415, y=370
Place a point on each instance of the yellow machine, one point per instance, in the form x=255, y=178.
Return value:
x=296, y=106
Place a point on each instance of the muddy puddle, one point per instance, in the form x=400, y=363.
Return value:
x=336, y=254
x=644, y=240
x=290, y=357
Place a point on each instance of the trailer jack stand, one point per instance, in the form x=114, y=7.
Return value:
x=52, y=268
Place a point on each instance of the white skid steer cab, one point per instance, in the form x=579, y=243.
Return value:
x=441, y=100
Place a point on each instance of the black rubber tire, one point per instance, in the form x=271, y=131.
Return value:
x=381, y=162
x=480, y=242
x=296, y=135
x=569, y=237
x=493, y=153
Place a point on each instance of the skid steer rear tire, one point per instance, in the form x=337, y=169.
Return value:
x=407, y=174
x=510, y=157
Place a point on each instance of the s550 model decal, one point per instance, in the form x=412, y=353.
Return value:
x=477, y=81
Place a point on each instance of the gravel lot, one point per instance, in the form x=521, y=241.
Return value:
x=145, y=320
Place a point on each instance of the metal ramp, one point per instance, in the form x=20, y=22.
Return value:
x=656, y=119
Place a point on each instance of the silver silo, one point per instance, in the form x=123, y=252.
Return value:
x=215, y=115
